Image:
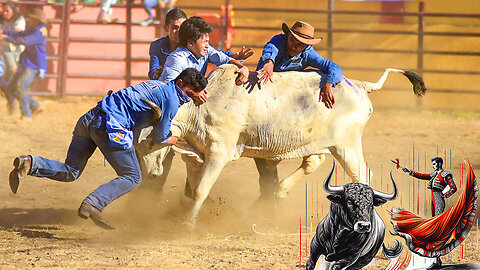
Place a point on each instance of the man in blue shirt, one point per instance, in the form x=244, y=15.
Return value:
x=109, y=127
x=294, y=51
x=33, y=62
x=195, y=52
x=161, y=48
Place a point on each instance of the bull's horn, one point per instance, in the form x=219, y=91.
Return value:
x=331, y=189
x=388, y=197
x=156, y=110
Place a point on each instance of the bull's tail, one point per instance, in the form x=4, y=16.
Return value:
x=393, y=252
x=419, y=87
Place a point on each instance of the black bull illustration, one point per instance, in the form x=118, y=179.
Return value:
x=352, y=232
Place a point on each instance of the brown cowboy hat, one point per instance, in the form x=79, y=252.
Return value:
x=303, y=32
x=38, y=14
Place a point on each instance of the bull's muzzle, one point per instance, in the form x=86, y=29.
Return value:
x=362, y=227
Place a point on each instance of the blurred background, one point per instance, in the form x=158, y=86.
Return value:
x=438, y=39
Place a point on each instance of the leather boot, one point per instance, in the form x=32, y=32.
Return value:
x=22, y=165
x=89, y=211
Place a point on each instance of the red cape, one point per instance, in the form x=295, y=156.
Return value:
x=439, y=235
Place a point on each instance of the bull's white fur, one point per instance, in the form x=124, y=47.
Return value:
x=276, y=121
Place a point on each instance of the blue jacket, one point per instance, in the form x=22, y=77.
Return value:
x=276, y=50
x=35, y=40
x=126, y=107
x=159, y=52
x=182, y=58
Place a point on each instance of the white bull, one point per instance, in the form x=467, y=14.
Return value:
x=276, y=121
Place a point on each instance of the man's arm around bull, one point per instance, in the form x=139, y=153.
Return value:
x=294, y=51
x=109, y=127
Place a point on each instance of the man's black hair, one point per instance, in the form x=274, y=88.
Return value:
x=174, y=14
x=194, y=78
x=438, y=160
x=192, y=29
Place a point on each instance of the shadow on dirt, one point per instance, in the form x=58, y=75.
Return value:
x=35, y=223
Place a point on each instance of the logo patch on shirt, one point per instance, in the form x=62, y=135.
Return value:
x=43, y=30
x=151, y=85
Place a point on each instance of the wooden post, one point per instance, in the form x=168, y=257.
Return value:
x=223, y=40
x=63, y=50
x=330, y=30
x=128, y=45
x=160, y=16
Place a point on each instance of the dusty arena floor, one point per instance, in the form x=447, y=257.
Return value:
x=39, y=227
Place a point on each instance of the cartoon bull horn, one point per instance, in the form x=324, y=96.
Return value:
x=331, y=189
x=385, y=196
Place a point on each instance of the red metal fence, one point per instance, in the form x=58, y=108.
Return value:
x=64, y=41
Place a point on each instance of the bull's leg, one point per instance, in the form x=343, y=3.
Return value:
x=351, y=159
x=309, y=165
x=211, y=170
x=268, y=177
x=194, y=170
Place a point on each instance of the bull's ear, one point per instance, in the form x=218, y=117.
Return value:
x=377, y=201
x=335, y=198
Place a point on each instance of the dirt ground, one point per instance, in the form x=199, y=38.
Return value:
x=39, y=227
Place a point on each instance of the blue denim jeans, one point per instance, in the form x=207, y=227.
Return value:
x=18, y=89
x=89, y=134
x=148, y=5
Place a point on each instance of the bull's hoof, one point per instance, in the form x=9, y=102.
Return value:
x=189, y=226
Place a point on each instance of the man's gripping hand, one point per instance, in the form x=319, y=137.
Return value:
x=242, y=76
x=201, y=97
x=327, y=96
x=171, y=141
x=266, y=72
x=158, y=72
x=243, y=54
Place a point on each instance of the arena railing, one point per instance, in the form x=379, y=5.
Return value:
x=420, y=51
x=64, y=39
x=65, y=22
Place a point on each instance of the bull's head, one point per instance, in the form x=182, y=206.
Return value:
x=152, y=155
x=356, y=201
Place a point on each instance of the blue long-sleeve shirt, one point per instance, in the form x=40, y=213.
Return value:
x=35, y=40
x=126, y=106
x=276, y=50
x=182, y=59
x=159, y=52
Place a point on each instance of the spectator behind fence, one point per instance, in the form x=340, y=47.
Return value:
x=11, y=19
x=33, y=62
x=105, y=15
x=166, y=5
